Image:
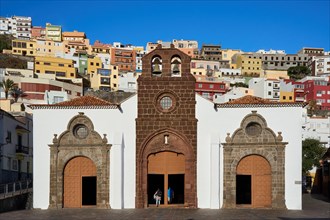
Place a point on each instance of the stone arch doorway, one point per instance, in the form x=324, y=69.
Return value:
x=254, y=137
x=166, y=170
x=80, y=178
x=173, y=148
x=79, y=158
x=253, y=182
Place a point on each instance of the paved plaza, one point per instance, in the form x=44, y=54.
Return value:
x=314, y=207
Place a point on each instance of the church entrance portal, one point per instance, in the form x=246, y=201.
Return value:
x=166, y=169
x=79, y=183
x=253, y=182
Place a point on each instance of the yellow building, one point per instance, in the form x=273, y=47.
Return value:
x=249, y=66
x=23, y=47
x=94, y=63
x=49, y=48
x=54, y=66
x=204, y=67
x=227, y=54
x=105, y=79
x=286, y=96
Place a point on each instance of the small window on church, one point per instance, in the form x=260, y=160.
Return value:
x=253, y=129
x=166, y=103
x=80, y=131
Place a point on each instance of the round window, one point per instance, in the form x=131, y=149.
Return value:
x=166, y=102
x=253, y=129
x=80, y=131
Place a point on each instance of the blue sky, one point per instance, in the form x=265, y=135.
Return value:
x=247, y=25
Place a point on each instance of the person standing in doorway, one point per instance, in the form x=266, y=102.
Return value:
x=158, y=196
x=170, y=195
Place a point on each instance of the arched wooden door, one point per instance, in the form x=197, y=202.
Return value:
x=254, y=171
x=166, y=169
x=79, y=183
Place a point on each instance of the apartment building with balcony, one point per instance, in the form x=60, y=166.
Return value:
x=204, y=67
x=208, y=87
x=319, y=65
x=53, y=32
x=124, y=58
x=105, y=79
x=23, y=26
x=75, y=40
x=211, y=52
x=59, y=68
x=16, y=146
x=266, y=88
x=317, y=88
x=38, y=32
x=18, y=26
x=23, y=47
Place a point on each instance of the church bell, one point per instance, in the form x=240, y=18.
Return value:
x=156, y=69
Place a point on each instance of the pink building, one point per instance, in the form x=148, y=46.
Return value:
x=318, y=88
x=38, y=32
x=209, y=86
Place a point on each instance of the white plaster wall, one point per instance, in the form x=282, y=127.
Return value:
x=213, y=124
x=120, y=129
x=207, y=195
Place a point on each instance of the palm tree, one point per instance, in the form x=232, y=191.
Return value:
x=7, y=85
x=16, y=93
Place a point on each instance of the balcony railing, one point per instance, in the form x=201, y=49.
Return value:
x=300, y=99
x=22, y=149
x=16, y=188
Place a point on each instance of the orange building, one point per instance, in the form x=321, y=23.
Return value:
x=124, y=58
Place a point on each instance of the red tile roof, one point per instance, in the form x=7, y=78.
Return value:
x=249, y=99
x=83, y=101
x=253, y=101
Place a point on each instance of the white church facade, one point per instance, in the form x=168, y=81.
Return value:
x=89, y=152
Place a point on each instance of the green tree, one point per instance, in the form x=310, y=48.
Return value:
x=298, y=72
x=7, y=86
x=239, y=84
x=312, y=152
x=5, y=42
